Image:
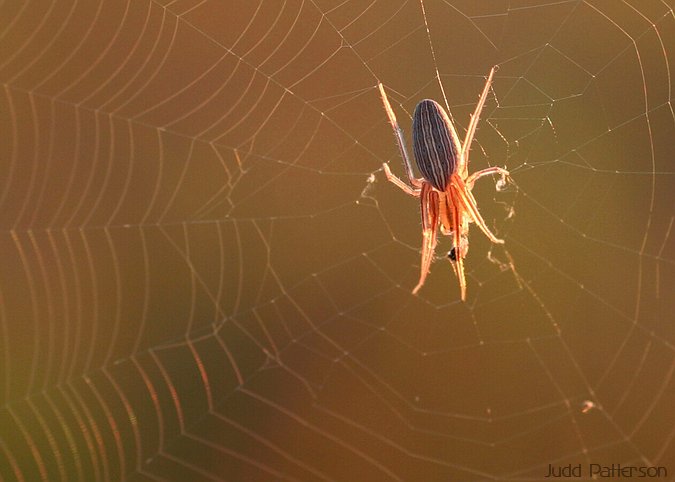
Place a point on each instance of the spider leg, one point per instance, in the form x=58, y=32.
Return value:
x=468, y=204
x=429, y=201
x=458, y=264
x=391, y=177
x=444, y=213
x=471, y=130
x=485, y=172
x=399, y=137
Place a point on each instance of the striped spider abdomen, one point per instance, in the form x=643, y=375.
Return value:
x=433, y=145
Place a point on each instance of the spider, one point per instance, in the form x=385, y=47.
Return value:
x=445, y=186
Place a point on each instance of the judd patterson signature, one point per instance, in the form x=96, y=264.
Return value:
x=599, y=471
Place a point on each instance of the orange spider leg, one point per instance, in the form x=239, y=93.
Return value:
x=457, y=239
x=429, y=201
x=468, y=204
x=445, y=210
x=462, y=168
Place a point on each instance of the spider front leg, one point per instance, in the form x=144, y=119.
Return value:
x=415, y=183
x=485, y=172
x=471, y=130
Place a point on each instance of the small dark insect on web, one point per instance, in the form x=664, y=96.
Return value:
x=452, y=255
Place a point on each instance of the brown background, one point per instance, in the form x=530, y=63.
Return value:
x=205, y=275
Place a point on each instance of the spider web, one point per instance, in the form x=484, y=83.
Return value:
x=206, y=276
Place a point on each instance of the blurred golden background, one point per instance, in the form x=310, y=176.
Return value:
x=206, y=276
